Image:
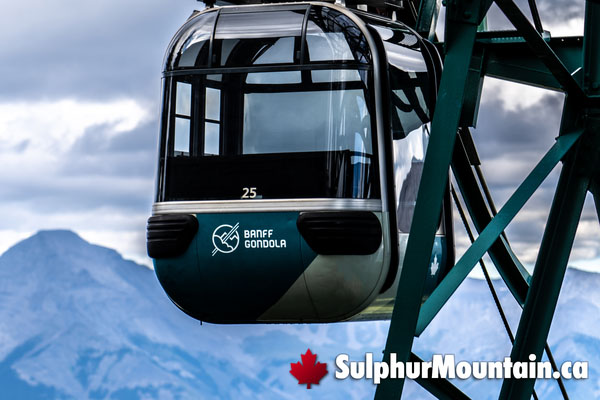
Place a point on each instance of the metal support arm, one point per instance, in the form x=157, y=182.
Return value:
x=491, y=233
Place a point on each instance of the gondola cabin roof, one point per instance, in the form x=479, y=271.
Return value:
x=312, y=32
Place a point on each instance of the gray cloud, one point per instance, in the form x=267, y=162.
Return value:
x=20, y=147
x=524, y=132
x=101, y=139
x=552, y=13
x=49, y=195
x=510, y=143
x=98, y=171
x=556, y=11
x=95, y=51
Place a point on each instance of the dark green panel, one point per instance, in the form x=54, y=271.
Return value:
x=513, y=60
x=548, y=275
x=437, y=265
x=238, y=266
x=540, y=48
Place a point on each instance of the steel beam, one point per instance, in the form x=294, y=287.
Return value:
x=549, y=272
x=490, y=234
x=513, y=60
x=427, y=18
x=540, y=48
x=460, y=39
x=442, y=389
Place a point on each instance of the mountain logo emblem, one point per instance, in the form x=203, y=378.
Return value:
x=226, y=239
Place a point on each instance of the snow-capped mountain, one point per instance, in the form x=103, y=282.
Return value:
x=77, y=321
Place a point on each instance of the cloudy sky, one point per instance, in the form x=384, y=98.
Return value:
x=79, y=110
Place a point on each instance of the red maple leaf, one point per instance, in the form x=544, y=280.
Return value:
x=309, y=371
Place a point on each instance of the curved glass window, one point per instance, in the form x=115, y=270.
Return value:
x=263, y=37
x=261, y=24
x=409, y=79
x=288, y=134
x=258, y=38
x=409, y=158
x=191, y=45
x=339, y=121
x=332, y=36
x=251, y=114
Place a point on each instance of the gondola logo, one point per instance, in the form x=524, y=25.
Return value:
x=226, y=239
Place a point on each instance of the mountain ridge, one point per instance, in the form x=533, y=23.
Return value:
x=79, y=321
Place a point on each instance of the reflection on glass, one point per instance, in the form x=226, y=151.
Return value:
x=335, y=75
x=274, y=77
x=404, y=58
x=294, y=136
x=184, y=98
x=226, y=47
x=191, y=47
x=329, y=121
x=259, y=24
x=331, y=36
x=190, y=58
x=409, y=156
x=211, y=138
x=182, y=135
x=282, y=51
x=328, y=46
x=409, y=108
x=213, y=104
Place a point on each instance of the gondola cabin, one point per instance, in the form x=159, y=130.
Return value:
x=291, y=149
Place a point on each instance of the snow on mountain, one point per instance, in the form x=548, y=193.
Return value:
x=77, y=321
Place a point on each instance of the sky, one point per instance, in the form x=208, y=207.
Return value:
x=79, y=108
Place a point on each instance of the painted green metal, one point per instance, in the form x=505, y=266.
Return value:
x=536, y=16
x=540, y=48
x=549, y=272
x=440, y=388
x=491, y=233
x=473, y=91
x=571, y=65
x=460, y=39
x=483, y=26
x=219, y=301
x=515, y=61
x=428, y=17
x=579, y=171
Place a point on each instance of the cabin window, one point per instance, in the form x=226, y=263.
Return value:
x=242, y=126
x=212, y=122
x=183, y=118
x=247, y=111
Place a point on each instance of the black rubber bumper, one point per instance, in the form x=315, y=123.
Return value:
x=341, y=232
x=170, y=235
